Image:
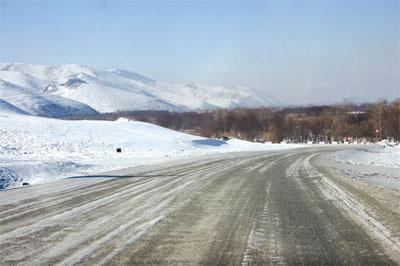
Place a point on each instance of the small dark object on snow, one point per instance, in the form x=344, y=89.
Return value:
x=225, y=138
x=25, y=184
x=119, y=150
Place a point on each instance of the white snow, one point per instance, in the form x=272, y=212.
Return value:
x=355, y=208
x=377, y=164
x=384, y=154
x=19, y=99
x=113, y=90
x=36, y=149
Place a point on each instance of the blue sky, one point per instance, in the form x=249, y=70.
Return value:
x=298, y=52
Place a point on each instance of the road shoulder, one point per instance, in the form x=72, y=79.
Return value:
x=380, y=203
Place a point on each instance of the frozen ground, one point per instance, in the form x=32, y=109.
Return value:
x=383, y=154
x=36, y=149
x=375, y=164
x=247, y=208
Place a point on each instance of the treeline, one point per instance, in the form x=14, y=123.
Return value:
x=345, y=122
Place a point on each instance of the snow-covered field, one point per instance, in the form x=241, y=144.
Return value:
x=377, y=164
x=383, y=154
x=37, y=149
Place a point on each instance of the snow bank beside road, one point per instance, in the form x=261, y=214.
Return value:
x=36, y=149
x=382, y=154
x=374, y=164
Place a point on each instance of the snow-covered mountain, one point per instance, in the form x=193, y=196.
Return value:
x=22, y=100
x=5, y=107
x=74, y=89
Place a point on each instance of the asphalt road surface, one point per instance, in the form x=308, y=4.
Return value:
x=274, y=208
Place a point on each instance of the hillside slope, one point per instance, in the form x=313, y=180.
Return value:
x=110, y=90
x=22, y=100
x=37, y=149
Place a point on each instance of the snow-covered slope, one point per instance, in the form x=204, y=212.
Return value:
x=36, y=149
x=28, y=101
x=113, y=90
x=382, y=154
x=6, y=107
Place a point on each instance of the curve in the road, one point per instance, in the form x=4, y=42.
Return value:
x=252, y=208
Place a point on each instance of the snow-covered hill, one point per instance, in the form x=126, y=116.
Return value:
x=37, y=149
x=7, y=108
x=63, y=87
x=27, y=101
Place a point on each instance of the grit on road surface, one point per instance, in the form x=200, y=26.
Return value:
x=249, y=208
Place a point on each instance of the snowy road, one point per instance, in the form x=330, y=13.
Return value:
x=247, y=208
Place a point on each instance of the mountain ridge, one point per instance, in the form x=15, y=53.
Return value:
x=114, y=89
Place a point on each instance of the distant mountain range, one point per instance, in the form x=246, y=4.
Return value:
x=63, y=90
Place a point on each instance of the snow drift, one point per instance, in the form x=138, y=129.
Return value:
x=382, y=154
x=36, y=149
